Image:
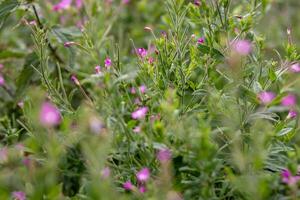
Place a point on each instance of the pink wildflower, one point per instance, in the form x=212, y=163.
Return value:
x=132, y=90
x=197, y=2
x=105, y=173
x=140, y=113
x=107, y=62
x=21, y=104
x=142, y=189
x=137, y=129
x=295, y=68
x=128, y=185
x=292, y=114
x=288, y=178
x=79, y=4
x=164, y=155
x=62, y=5
x=75, y=80
x=242, y=47
x=143, y=175
x=125, y=1
x=289, y=100
x=69, y=44
x=200, y=40
x=143, y=89
x=19, y=195
x=49, y=115
x=95, y=125
x=266, y=97
x=142, y=52
x=98, y=69
x=2, y=80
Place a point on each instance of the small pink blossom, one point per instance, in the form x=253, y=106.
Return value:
x=62, y=5
x=19, y=195
x=142, y=52
x=137, y=101
x=288, y=178
x=105, y=173
x=142, y=189
x=266, y=97
x=143, y=89
x=143, y=175
x=289, y=100
x=98, y=69
x=95, y=125
x=107, y=62
x=164, y=155
x=242, y=47
x=75, y=80
x=2, y=80
x=128, y=185
x=137, y=129
x=292, y=114
x=69, y=44
x=132, y=90
x=21, y=104
x=49, y=115
x=295, y=68
x=79, y=4
x=197, y=2
x=26, y=161
x=125, y=1
x=200, y=40
x=150, y=60
x=140, y=113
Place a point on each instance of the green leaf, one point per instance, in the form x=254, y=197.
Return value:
x=214, y=53
x=6, y=7
x=5, y=54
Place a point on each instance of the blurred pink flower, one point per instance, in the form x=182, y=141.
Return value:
x=289, y=100
x=107, y=62
x=200, y=40
x=49, y=115
x=62, y=5
x=142, y=189
x=19, y=195
x=143, y=89
x=164, y=155
x=125, y=1
x=292, y=114
x=69, y=44
x=142, y=52
x=197, y=2
x=295, y=68
x=140, y=113
x=266, y=97
x=128, y=185
x=79, y=4
x=288, y=178
x=21, y=104
x=242, y=47
x=98, y=69
x=143, y=175
x=75, y=80
x=132, y=90
x=105, y=173
x=2, y=80
x=137, y=101
x=3, y=154
x=137, y=129
x=95, y=125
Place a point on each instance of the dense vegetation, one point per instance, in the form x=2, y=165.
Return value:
x=141, y=99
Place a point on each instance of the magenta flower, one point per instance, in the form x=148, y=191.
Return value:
x=75, y=80
x=62, y=5
x=107, y=62
x=143, y=175
x=164, y=155
x=140, y=113
x=266, y=97
x=143, y=89
x=292, y=114
x=142, y=52
x=49, y=115
x=79, y=4
x=288, y=178
x=142, y=189
x=200, y=40
x=132, y=90
x=197, y=2
x=2, y=80
x=19, y=195
x=150, y=60
x=242, y=47
x=289, y=100
x=128, y=185
x=295, y=68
